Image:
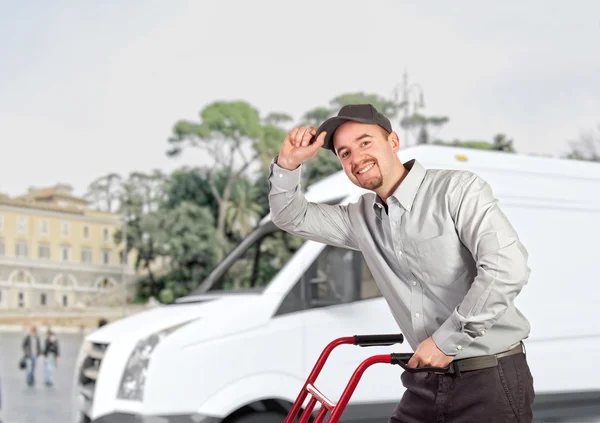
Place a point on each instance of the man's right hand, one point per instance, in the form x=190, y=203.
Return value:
x=297, y=147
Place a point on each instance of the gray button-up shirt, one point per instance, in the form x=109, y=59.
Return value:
x=443, y=254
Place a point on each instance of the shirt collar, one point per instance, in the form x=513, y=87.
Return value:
x=407, y=190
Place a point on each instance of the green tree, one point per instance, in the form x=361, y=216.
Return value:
x=104, y=192
x=188, y=236
x=500, y=142
x=423, y=125
x=228, y=132
x=586, y=147
x=141, y=196
x=243, y=213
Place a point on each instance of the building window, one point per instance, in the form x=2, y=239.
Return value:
x=2, y=247
x=106, y=235
x=44, y=227
x=86, y=255
x=65, y=300
x=43, y=299
x=21, y=249
x=65, y=229
x=44, y=251
x=21, y=276
x=86, y=232
x=106, y=284
x=106, y=256
x=21, y=300
x=65, y=253
x=22, y=225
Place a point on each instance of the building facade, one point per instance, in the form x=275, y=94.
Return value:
x=55, y=252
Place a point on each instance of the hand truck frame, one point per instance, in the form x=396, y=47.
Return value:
x=336, y=410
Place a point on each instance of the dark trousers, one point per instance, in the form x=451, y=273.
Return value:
x=498, y=394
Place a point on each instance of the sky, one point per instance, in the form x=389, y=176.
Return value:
x=91, y=88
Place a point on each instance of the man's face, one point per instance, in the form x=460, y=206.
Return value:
x=365, y=152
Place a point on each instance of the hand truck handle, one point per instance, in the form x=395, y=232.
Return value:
x=378, y=340
x=401, y=359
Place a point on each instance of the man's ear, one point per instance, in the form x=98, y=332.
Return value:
x=394, y=141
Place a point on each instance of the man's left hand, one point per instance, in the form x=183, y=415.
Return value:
x=428, y=354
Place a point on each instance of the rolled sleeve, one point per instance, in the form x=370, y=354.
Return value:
x=501, y=260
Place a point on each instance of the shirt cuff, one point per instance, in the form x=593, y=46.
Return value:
x=449, y=337
x=283, y=180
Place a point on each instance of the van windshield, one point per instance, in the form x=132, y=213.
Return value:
x=254, y=262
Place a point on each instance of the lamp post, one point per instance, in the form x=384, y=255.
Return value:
x=407, y=91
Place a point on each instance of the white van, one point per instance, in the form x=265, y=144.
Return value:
x=242, y=356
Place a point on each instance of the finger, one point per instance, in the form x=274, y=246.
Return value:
x=292, y=136
x=414, y=361
x=299, y=136
x=318, y=143
x=308, y=135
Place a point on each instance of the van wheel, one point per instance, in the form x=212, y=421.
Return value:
x=268, y=417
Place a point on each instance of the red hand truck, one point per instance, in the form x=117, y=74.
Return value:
x=336, y=410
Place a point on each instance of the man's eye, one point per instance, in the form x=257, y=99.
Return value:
x=365, y=143
x=344, y=154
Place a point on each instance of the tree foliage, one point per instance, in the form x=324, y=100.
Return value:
x=586, y=147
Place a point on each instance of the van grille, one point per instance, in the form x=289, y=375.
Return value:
x=87, y=377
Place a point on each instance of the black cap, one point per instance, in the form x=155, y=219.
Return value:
x=363, y=113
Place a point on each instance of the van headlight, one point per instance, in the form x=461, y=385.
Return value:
x=134, y=376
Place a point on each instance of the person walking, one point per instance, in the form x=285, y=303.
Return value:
x=51, y=355
x=32, y=349
x=444, y=255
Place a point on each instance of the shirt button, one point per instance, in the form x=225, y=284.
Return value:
x=414, y=283
x=459, y=347
x=417, y=314
x=280, y=175
x=399, y=252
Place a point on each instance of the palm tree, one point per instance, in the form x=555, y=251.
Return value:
x=243, y=213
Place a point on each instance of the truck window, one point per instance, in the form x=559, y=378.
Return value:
x=338, y=276
x=260, y=262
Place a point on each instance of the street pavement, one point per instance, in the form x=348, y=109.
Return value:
x=38, y=404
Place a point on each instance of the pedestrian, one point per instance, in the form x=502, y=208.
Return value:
x=31, y=351
x=51, y=356
x=445, y=257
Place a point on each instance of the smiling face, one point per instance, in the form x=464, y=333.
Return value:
x=368, y=155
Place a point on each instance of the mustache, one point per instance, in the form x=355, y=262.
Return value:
x=356, y=167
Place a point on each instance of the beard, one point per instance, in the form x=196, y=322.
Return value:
x=373, y=183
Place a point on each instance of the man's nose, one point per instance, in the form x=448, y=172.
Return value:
x=357, y=161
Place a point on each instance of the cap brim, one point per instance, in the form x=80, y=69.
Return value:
x=332, y=124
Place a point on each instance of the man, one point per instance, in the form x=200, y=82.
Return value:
x=444, y=256
x=32, y=349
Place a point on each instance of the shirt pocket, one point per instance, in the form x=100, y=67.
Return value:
x=442, y=259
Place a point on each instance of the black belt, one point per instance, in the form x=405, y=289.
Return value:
x=482, y=362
